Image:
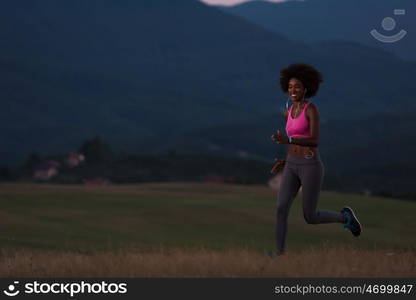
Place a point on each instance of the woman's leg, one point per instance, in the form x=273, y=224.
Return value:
x=289, y=186
x=311, y=176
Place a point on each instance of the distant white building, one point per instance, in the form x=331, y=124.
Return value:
x=46, y=170
x=74, y=159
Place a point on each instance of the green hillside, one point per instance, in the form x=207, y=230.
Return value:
x=89, y=218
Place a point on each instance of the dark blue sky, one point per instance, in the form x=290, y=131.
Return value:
x=232, y=2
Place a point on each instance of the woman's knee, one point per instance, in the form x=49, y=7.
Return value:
x=311, y=218
x=282, y=211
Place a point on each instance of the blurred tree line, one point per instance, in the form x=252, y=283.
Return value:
x=101, y=162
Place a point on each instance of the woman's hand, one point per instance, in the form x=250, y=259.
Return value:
x=278, y=166
x=280, y=138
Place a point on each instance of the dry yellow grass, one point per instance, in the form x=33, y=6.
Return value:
x=331, y=262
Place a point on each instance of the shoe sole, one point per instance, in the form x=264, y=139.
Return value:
x=355, y=218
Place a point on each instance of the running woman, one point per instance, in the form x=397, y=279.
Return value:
x=303, y=165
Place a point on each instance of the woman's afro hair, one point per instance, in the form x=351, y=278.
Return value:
x=308, y=75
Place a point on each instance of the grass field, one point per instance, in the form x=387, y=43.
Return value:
x=185, y=229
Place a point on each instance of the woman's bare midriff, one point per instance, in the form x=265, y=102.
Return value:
x=298, y=150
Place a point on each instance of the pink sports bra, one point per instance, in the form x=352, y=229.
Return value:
x=298, y=127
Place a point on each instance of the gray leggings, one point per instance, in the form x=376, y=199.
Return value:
x=308, y=173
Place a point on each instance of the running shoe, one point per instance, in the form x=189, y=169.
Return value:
x=352, y=221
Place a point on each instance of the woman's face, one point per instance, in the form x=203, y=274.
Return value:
x=296, y=90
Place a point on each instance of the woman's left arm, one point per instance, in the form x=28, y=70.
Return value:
x=313, y=116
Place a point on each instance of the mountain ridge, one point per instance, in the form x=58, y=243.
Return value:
x=134, y=76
